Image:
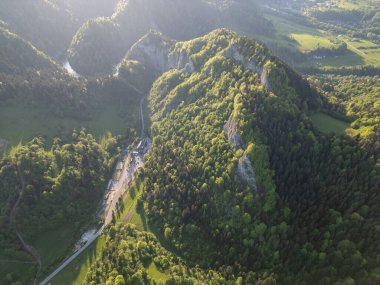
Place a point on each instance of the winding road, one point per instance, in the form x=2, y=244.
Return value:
x=131, y=163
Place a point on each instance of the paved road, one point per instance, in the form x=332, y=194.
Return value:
x=71, y=258
x=130, y=166
x=119, y=187
x=118, y=190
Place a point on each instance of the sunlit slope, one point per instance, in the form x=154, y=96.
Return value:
x=100, y=44
x=239, y=174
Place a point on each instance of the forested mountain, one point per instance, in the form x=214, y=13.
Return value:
x=239, y=179
x=29, y=75
x=50, y=25
x=256, y=174
x=18, y=57
x=100, y=44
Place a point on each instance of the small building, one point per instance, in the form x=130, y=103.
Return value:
x=110, y=185
x=119, y=166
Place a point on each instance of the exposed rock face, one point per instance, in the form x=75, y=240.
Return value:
x=156, y=53
x=245, y=171
x=251, y=65
x=234, y=53
x=265, y=80
x=160, y=55
x=233, y=136
x=152, y=51
x=244, y=168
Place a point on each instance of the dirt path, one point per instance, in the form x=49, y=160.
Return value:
x=28, y=248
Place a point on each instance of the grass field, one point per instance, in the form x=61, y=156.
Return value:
x=368, y=51
x=49, y=245
x=309, y=42
x=306, y=38
x=155, y=274
x=10, y=271
x=20, y=122
x=75, y=272
x=53, y=244
x=130, y=213
x=357, y=4
x=15, y=265
x=328, y=124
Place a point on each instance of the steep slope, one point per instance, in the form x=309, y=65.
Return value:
x=100, y=44
x=30, y=76
x=240, y=180
x=50, y=25
x=18, y=57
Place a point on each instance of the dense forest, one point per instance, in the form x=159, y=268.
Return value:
x=100, y=44
x=239, y=180
x=50, y=25
x=357, y=99
x=74, y=172
x=241, y=185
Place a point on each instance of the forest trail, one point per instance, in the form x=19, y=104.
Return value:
x=28, y=248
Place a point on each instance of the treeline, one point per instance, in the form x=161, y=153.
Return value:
x=62, y=185
x=311, y=219
x=50, y=26
x=356, y=70
x=130, y=255
x=339, y=49
x=360, y=22
x=100, y=44
x=356, y=98
x=28, y=75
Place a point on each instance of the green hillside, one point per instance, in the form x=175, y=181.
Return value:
x=228, y=184
x=50, y=25
x=100, y=44
x=239, y=142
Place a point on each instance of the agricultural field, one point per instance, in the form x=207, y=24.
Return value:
x=309, y=42
x=351, y=4
x=305, y=37
x=368, y=51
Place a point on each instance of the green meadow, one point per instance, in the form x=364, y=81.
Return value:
x=306, y=38
x=328, y=124
x=20, y=122
x=76, y=271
